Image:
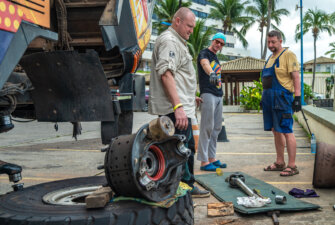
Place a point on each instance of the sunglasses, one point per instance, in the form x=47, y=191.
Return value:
x=219, y=43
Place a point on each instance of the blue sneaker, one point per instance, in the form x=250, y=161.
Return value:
x=208, y=167
x=219, y=164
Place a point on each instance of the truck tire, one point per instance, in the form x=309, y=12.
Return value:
x=27, y=207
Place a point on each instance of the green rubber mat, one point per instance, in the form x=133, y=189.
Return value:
x=221, y=190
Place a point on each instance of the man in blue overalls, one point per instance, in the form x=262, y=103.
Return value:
x=280, y=78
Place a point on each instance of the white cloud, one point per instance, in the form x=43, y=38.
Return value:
x=288, y=26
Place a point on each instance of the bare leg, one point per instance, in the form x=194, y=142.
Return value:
x=204, y=163
x=280, y=146
x=212, y=160
x=291, y=151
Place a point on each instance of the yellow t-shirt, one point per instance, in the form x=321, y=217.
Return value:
x=287, y=63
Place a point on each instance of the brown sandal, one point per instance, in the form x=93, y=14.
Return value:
x=291, y=172
x=278, y=167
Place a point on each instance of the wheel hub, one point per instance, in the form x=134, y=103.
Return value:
x=148, y=164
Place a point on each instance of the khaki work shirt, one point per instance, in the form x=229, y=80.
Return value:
x=171, y=53
x=287, y=63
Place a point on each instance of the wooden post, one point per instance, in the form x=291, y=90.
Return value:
x=226, y=88
x=231, y=92
x=236, y=91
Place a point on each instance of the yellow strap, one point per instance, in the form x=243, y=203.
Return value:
x=177, y=106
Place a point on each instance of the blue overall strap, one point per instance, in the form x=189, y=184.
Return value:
x=267, y=61
x=277, y=60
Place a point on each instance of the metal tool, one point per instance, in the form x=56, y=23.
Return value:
x=237, y=180
x=303, y=114
x=14, y=173
x=258, y=193
x=280, y=199
x=274, y=215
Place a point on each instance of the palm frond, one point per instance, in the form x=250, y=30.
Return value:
x=282, y=34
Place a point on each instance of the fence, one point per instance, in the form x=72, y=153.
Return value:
x=319, y=84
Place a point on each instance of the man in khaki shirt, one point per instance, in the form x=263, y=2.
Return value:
x=173, y=84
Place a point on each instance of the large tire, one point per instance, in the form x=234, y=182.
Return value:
x=26, y=207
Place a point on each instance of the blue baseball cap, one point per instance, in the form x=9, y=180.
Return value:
x=219, y=35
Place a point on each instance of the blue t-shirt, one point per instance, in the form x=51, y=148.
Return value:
x=205, y=86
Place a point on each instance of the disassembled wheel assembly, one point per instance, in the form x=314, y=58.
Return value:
x=147, y=164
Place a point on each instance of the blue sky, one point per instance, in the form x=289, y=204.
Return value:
x=288, y=26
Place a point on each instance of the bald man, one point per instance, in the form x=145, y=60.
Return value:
x=173, y=84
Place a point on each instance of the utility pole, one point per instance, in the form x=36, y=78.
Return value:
x=301, y=55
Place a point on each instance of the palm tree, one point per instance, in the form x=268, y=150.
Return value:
x=270, y=3
x=316, y=21
x=199, y=39
x=260, y=12
x=231, y=13
x=165, y=9
x=331, y=51
x=332, y=18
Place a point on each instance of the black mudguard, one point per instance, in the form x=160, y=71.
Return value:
x=69, y=86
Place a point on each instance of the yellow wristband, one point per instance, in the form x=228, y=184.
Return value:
x=177, y=106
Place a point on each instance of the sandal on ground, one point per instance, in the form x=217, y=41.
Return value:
x=277, y=167
x=289, y=171
x=219, y=164
x=209, y=167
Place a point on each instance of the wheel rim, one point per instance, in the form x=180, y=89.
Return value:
x=69, y=196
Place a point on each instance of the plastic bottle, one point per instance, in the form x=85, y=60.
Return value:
x=313, y=144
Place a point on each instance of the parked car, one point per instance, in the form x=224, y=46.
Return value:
x=318, y=96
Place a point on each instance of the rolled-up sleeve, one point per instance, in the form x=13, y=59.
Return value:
x=168, y=58
x=292, y=63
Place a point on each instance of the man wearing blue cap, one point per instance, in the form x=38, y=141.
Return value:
x=209, y=72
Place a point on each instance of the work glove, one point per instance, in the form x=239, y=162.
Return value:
x=213, y=78
x=296, y=105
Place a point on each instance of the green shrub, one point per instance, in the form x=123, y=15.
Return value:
x=308, y=93
x=252, y=96
x=329, y=85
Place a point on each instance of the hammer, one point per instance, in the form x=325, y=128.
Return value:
x=274, y=215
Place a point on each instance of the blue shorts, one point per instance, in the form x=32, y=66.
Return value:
x=277, y=111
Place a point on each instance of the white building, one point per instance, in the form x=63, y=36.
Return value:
x=323, y=65
x=201, y=9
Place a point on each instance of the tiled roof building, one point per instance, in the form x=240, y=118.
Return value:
x=238, y=71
